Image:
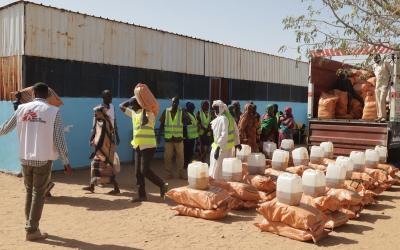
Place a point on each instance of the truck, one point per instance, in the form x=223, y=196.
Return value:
x=349, y=135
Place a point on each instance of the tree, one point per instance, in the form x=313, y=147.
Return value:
x=346, y=25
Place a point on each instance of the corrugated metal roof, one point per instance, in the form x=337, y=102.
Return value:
x=138, y=25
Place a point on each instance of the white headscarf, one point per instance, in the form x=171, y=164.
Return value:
x=221, y=105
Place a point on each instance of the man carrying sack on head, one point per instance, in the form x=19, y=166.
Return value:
x=226, y=138
x=41, y=139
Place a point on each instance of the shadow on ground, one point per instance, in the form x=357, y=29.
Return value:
x=57, y=241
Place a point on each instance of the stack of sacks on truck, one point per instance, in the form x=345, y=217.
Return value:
x=334, y=104
x=314, y=188
x=244, y=195
x=199, y=199
x=288, y=217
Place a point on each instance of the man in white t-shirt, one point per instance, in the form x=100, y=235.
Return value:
x=41, y=139
x=382, y=73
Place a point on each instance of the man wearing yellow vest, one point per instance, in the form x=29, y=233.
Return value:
x=144, y=143
x=172, y=121
x=191, y=136
x=204, y=119
x=226, y=138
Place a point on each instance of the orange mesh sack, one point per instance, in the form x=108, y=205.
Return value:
x=341, y=105
x=346, y=197
x=261, y=183
x=28, y=96
x=356, y=109
x=369, y=112
x=299, y=170
x=372, y=81
x=317, y=167
x=212, y=214
x=146, y=99
x=212, y=198
x=241, y=191
x=304, y=217
x=238, y=204
x=325, y=204
x=326, y=106
x=336, y=219
x=284, y=230
x=389, y=169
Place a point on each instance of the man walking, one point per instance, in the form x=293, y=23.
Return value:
x=144, y=143
x=172, y=121
x=41, y=140
x=382, y=74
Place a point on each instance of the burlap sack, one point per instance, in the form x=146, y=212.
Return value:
x=342, y=102
x=211, y=214
x=388, y=168
x=372, y=81
x=212, y=198
x=242, y=191
x=146, y=99
x=261, y=183
x=346, y=197
x=368, y=197
x=326, y=106
x=326, y=161
x=325, y=204
x=303, y=217
x=352, y=212
x=356, y=109
x=267, y=196
x=284, y=230
x=378, y=175
x=299, y=170
x=238, y=204
x=28, y=96
x=270, y=172
x=369, y=112
x=336, y=219
x=318, y=167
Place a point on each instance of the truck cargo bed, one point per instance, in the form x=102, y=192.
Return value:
x=348, y=135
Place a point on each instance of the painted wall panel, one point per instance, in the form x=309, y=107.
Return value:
x=12, y=30
x=9, y=146
x=148, y=48
x=195, y=56
x=174, y=53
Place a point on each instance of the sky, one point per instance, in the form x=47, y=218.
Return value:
x=252, y=24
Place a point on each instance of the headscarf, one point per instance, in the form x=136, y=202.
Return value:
x=269, y=122
x=249, y=112
x=221, y=105
x=190, y=107
x=203, y=104
x=288, y=112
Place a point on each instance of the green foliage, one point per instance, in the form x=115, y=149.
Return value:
x=346, y=24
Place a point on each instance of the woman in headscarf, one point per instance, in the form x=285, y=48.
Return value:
x=248, y=127
x=269, y=125
x=287, y=124
x=226, y=138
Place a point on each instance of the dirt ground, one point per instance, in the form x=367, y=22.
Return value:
x=79, y=220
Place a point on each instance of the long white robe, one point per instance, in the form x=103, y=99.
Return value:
x=220, y=127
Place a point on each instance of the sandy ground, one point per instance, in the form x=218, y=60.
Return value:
x=79, y=220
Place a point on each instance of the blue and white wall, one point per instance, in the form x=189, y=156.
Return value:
x=77, y=115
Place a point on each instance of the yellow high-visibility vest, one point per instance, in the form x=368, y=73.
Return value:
x=231, y=132
x=142, y=134
x=192, y=129
x=173, y=127
x=205, y=121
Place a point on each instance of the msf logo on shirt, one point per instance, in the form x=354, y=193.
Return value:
x=31, y=116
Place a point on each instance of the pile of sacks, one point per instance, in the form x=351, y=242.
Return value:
x=199, y=199
x=334, y=104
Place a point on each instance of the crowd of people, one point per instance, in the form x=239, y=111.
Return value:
x=215, y=130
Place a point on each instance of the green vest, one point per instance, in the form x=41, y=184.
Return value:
x=173, y=127
x=231, y=132
x=192, y=129
x=205, y=121
x=142, y=135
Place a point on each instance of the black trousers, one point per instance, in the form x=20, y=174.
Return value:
x=142, y=164
x=188, y=145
